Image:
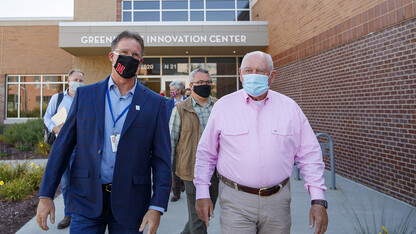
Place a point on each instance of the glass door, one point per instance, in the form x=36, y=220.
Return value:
x=166, y=80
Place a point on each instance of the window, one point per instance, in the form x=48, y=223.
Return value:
x=28, y=96
x=156, y=71
x=185, y=10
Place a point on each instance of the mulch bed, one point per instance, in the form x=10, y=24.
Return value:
x=13, y=215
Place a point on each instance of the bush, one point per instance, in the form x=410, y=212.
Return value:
x=4, y=148
x=42, y=148
x=16, y=190
x=20, y=181
x=24, y=136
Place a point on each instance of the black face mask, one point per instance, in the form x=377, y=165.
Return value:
x=126, y=66
x=203, y=90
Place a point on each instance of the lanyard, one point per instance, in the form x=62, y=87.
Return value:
x=111, y=111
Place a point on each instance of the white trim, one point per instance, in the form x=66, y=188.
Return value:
x=34, y=18
x=165, y=23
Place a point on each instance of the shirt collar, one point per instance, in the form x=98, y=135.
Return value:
x=111, y=85
x=194, y=103
x=247, y=97
x=66, y=92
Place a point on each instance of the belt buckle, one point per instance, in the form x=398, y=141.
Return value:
x=261, y=190
x=108, y=188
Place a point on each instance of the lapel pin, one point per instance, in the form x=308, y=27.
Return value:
x=137, y=107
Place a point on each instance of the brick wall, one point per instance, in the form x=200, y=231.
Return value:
x=302, y=28
x=30, y=50
x=363, y=93
x=96, y=68
x=292, y=22
x=95, y=10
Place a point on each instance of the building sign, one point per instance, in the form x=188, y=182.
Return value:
x=171, y=39
x=75, y=37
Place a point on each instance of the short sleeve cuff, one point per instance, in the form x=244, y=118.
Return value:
x=202, y=191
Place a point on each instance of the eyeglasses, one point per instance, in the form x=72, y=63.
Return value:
x=201, y=82
x=256, y=71
x=128, y=53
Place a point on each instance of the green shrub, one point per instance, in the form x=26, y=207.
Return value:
x=24, y=136
x=19, y=181
x=16, y=190
x=42, y=148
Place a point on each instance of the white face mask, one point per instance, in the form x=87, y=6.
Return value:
x=74, y=85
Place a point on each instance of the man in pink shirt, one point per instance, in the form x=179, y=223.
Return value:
x=253, y=137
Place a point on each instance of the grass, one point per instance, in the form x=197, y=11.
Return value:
x=368, y=220
x=20, y=181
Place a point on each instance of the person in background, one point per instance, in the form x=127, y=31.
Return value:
x=187, y=92
x=162, y=92
x=121, y=132
x=75, y=79
x=187, y=123
x=253, y=137
x=176, y=89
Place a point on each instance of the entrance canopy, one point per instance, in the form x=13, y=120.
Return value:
x=167, y=38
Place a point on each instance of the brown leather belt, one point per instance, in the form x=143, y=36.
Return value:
x=263, y=192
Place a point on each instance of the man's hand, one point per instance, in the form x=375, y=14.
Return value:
x=57, y=129
x=205, y=209
x=45, y=207
x=318, y=214
x=152, y=218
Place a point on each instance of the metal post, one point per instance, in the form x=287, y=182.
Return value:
x=297, y=172
x=329, y=145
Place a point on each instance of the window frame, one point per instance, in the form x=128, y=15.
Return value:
x=236, y=10
x=41, y=86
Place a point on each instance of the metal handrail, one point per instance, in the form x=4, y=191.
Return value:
x=324, y=146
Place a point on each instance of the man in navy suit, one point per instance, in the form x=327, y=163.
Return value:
x=121, y=132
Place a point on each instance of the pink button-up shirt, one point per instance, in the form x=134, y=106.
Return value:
x=256, y=145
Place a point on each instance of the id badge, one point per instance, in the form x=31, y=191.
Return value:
x=114, y=142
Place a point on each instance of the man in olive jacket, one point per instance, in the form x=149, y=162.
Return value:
x=187, y=122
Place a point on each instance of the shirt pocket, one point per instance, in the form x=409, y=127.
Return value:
x=282, y=131
x=235, y=132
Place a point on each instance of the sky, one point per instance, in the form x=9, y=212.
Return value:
x=36, y=8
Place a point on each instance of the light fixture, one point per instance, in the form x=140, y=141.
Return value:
x=186, y=52
x=233, y=51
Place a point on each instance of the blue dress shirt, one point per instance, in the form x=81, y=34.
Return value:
x=51, y=110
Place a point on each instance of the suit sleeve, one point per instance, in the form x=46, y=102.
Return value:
x=160, y=161
x=60, y=153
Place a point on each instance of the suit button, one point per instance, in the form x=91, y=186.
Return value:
x=100, y=151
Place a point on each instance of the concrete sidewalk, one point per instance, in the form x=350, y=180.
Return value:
x=348, y=202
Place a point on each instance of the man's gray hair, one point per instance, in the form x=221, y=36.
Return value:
x=192, y=75
x=75, y=70
x=177, y=85
x=128, y=35
x=267, y=56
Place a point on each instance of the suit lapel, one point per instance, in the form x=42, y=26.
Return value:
x=139, y=98
x=99, y=103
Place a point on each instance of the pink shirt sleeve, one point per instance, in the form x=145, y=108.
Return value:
x=206, y=157
x=309, y=158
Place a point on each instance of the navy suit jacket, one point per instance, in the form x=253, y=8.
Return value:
x=170, y=104
x=144, y=148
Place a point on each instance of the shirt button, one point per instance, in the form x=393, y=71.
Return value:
x=111, y=166
x=100, y=151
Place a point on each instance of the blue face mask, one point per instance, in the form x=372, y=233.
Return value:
x=255, y=84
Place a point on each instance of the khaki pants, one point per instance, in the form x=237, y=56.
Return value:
x=245, y=213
